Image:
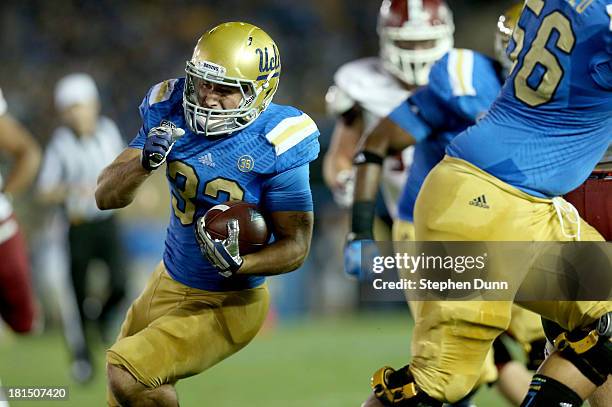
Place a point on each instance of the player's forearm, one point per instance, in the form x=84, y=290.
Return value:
x=54, y=196
x=341, y=149
x=366, y=188
x=24, y=169
x=368, y=163
x=387, y=138
x=293, y=231
x=367, y=179
x=280, y=257
x=118, y=183
x=333, y=165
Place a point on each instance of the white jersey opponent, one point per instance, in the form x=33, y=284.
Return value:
x=364, y=82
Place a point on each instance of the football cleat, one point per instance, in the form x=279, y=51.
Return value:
x=397, y=388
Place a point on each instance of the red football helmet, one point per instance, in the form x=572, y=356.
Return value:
x=413, y=35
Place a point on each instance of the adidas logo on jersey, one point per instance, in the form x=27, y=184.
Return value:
x=480, y=202
x=207, y=159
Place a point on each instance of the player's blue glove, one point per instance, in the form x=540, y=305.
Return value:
x=223, y=254
x=353, y=255
x=158, y=145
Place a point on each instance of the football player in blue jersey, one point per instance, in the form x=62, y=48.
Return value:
x=221, y=139
x=541, y=138
x=462, y=86
x=413, y=35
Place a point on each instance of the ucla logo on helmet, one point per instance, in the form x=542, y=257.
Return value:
x=268, y=61
x=246, y=163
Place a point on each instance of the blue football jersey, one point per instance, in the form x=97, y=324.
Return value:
x=553, y=120
x=265, y=163
x=462, y=85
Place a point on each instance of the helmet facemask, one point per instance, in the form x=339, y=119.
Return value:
x=412, y=66
x=210, y=121
x=240, y=64
x=414, y=34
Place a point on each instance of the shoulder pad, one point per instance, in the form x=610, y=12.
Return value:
x=293, y=135
x=160, y=100
x=368, y=84
x=337, y=101
x=467, y=82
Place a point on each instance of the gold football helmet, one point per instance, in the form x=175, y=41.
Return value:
x=237, y=55
x=505, y=27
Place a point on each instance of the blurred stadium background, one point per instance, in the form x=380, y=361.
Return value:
x=320, y=343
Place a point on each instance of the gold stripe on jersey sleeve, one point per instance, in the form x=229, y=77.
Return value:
x=161, y=92
x=459, y=70
x=583, y=6
x=292, y=130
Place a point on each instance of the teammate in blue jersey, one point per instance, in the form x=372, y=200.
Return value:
x=566, y=76
x=541, y=138
x=462, y=86
x=222, y=139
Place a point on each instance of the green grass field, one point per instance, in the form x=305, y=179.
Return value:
x=314, y=363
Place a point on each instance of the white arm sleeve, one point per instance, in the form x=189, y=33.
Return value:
x=2, y=104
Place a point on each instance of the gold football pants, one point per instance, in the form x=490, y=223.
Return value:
x=525, y=326
x=173, y=331
x=452, y=338
x=404, y=231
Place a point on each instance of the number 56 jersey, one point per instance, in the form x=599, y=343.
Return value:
x=552, y=122
x=265, y=163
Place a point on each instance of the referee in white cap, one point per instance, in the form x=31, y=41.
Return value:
x=77, y=152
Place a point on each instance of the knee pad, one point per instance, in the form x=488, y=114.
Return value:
x=590, y=349
x=397, y=388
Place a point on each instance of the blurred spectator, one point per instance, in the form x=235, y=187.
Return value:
x=16, y=299
x=76, y=154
